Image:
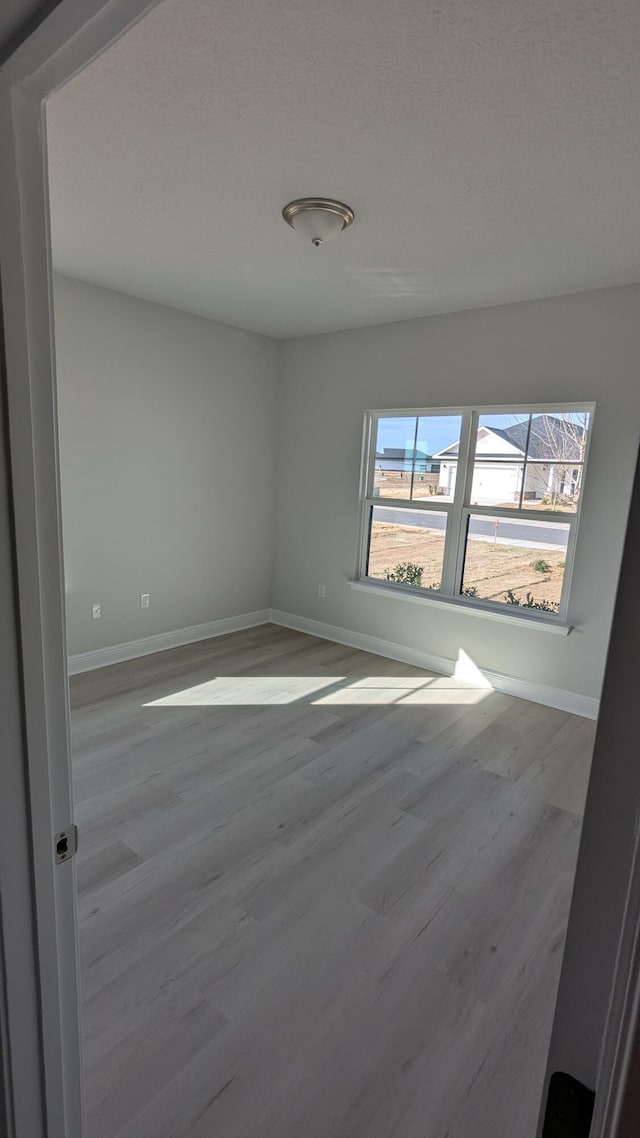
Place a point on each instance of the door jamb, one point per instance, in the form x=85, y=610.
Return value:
x=66, y=40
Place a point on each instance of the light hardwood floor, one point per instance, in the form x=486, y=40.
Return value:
x=321, y=894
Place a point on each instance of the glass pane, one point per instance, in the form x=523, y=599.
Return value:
x=503, y=437
x=410, y=454
x=498, y=469
x=436, y=464
x=552, y=486
x=393, y=464
x=439, y=484
x=515, y=562
x=407, y=546
x=553, y=444
x=559, y=437
x=436, y=459
x=496, y=484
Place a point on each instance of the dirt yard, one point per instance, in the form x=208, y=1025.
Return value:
x=397, y=484
x=489, y=568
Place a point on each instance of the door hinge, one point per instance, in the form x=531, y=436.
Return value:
x=569, y=1108
x=66, y=844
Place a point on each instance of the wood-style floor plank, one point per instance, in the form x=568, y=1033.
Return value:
x=321, y=893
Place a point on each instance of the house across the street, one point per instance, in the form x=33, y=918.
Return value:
x=402, y=458
x=539, y=459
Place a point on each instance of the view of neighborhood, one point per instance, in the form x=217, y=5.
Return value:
x=522, y=463
x=496, y=560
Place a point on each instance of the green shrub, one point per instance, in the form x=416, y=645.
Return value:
x=530, y=603
x=406, y=573
x=470, y=591
x=541, y=566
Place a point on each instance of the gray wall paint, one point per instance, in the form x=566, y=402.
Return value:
x=167, y=444
x=17, y=20
x=583, y=347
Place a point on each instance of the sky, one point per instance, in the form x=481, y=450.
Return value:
x=437, y=431
x=434, y=431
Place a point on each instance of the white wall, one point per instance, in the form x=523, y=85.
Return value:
x=169, y=428
x=167, y=446
x=582, y=347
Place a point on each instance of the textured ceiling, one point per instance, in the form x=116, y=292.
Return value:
x=490, y=149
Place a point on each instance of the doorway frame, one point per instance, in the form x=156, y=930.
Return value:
x=41, y=1093
x=41, y=976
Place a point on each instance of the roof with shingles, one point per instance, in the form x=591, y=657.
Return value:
x=401, y=453
x=551, y=440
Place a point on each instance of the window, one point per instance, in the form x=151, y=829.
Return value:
x=478, y=506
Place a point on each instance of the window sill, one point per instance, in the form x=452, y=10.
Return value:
x=523, y=619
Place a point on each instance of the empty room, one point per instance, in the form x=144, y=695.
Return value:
x=347, y=325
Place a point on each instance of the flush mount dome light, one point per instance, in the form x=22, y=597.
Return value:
x=318, y=219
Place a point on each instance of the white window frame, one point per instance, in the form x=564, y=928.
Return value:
x=459, y=510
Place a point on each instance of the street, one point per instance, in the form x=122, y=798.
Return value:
x=537, y=535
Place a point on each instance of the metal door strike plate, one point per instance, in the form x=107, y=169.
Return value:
x=66, y=844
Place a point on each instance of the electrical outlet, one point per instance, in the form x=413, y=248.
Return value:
x=145, y=600
x=322, y=591
x=96, y=612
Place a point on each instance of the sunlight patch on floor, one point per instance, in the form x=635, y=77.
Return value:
x=225, y=691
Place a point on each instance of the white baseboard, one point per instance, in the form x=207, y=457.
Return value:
x=569, y=701
x=117, y=653
x=538, y=693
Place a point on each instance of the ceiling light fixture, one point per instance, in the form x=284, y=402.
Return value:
x=318, y=219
